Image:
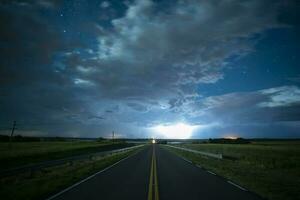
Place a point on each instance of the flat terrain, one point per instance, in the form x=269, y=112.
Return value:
x=270, y=168
x=177, y=179
x=16, y=154
x=267, y=168
x=39, y=184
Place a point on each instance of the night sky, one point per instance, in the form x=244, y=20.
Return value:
x=85, y=68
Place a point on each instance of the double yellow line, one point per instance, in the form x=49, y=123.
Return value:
x=153, y=183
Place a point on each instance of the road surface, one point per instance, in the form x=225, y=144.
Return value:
x=154, y=173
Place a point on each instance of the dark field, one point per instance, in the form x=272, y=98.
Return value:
x=17, y=154
x=39, y=184
x=269, y=168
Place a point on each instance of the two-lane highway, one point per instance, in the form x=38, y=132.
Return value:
x=154, y=173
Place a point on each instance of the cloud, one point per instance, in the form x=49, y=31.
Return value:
x=149, y=51
x=137, y=107
x=263, y=113
x=83, y=82
x=105, y=4
x=268, y=105
x=142, y=69
x=281, y=97
x=29, y=44
x=48, y=4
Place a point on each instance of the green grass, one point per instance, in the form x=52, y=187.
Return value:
x=46, y=182
x=271, y=169
x=21, y=153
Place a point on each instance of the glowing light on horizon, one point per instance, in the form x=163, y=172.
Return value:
x=176, y=131
x=231, y=137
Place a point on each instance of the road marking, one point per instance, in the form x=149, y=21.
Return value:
x=88, y=178
x=240, y=187
x=155, y=179
x=187, y=160
x=211, y=172
x=218, y=156
x=153, y=182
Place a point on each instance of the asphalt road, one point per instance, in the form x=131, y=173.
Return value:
x=161, y=172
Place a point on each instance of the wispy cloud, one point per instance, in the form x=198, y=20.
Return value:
x=143, y=67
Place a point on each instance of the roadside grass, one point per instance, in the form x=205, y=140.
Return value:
x=270, y=169
x=44, y=183
x=22, y=153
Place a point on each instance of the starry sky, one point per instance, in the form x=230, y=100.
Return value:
x=83, y=68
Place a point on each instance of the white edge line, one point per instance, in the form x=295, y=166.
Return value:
x=186, y=160
x=240, y=187
x=76, y=184
x=211, y=173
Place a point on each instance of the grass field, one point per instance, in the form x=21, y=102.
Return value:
x=22, y=153
x=271, y=169
x=48, y=181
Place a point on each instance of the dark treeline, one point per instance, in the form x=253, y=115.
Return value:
x=207, y=141
x=20, y=138
x=229, y=141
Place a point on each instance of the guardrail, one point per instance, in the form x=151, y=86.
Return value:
x=213, y=155
x=51, y=163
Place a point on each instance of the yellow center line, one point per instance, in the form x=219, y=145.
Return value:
x=155, y=179
x=150, y=181
x=153, y=183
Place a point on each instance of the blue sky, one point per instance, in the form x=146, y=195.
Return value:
x=86, y=68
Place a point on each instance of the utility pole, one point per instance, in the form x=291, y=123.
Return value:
x=113, y=136
x=12, y=134
x=13, y=130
